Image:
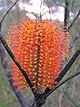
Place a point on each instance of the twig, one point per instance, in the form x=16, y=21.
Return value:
x=37, y=97
x=68, y=66
x=66, y=13
x=77, y=53
x=62, y=5
x=6, y=65
x=70, y=99
x=9, y=76
x=24, y=73
x=63, y=82
x=69, y=27
x=64, y=71
x=49, y=9
x=7, y=70
x=10, y=52
x=76, y=37
x=40, y=14
x=2, y=40
x=15, y=61
x=8, y=11
x=68, y=9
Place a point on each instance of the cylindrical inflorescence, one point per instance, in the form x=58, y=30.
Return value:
x=40, y=48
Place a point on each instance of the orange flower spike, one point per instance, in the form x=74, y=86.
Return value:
x=40, y=49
